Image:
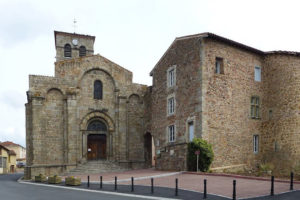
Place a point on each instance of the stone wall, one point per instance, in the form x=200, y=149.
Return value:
x=227, y=122
x=281, y=120
x=186, y=56
x=60, y=108
x=61, y=39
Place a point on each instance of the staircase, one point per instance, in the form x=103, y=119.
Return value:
x=96, y=167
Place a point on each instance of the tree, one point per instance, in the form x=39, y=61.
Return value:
x=205, y=158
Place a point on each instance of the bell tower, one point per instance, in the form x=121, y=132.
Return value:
x=73, y=45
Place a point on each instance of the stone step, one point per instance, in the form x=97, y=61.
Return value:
x=95, y=167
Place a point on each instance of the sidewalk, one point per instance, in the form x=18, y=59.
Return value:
x=218, y=185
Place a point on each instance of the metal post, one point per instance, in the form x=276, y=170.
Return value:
x=292, y=181
x=100, y=182
x=197, y=162
x=115, y=183
x=272, y=186
x=88, y=183
x=132, y=184
x=205, y=190
x=152, y=189
x=234, y=190
x=176, y=187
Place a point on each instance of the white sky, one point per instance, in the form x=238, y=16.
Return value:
x=132, y=33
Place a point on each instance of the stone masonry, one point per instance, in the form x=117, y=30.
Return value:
x=214, y=104
x=219, y=104
x=60, y=108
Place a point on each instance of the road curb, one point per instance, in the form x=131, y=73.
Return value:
x=96, y=191
x=239, y=176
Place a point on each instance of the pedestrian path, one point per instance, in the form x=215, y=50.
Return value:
x=217, y=185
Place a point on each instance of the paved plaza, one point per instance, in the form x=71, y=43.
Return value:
x=217, y=185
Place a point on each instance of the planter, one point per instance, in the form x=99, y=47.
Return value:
x=40, y=178
x=73, y=181
x=54, y=179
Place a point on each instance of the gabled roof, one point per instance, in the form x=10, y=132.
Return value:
x=3, y=147
x=9, y=143
x=227, y=41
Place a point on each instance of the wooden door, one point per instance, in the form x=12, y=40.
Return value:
x=96, y=146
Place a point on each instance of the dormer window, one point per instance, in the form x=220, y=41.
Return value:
x=67, y=51
x=82, y=51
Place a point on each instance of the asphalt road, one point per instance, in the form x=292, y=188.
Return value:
x=10, y=189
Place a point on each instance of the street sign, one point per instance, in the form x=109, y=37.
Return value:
x=197, y=152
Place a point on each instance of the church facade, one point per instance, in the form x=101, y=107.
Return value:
x=90, y=110
x=243, y=101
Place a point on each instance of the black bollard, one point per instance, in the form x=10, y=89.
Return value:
x=152, y=189
x=292, y=181
x=272, y=186
x=176, y=187
x=234, y=190
x=115, y=183
x=100, y=182
x=205, y=190
x=88, y=183
x=132, y=184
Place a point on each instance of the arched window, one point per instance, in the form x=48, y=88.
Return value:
x=98, y=90
x=68, y=51
x=96, y=125
x=82, y=51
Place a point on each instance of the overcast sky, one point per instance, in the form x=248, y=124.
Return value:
x=132, y=33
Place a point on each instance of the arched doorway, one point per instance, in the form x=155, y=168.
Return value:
x=149, y=149
x=96, y=140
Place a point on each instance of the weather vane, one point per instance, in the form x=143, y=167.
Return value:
x=74, y=25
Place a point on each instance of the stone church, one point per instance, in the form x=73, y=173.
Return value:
x=243, y=101
x=90, y=110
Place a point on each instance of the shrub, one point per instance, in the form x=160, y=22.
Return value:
x=206, y=155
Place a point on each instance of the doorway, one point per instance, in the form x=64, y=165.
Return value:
x=96, y=146
x=149, y=149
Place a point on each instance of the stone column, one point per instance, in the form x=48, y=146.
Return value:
x=121, y=145
x=72, y=131
x=37, y=128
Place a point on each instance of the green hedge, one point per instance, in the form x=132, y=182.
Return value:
x=205, y=158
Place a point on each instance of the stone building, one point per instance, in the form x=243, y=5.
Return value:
x=90, y=110
x=243, y=101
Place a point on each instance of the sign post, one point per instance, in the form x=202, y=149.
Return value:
x=197, y=153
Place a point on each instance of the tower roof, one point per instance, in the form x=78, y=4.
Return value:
x=73, y=34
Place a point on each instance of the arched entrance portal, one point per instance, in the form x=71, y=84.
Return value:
x=149, y=149
x=96, y=140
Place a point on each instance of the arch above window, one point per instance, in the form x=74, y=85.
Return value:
x=98, y=90
x=82, y=51
x=97, y=125
x=67, y=51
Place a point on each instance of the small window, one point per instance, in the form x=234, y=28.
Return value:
x=219, y=69
x=255, y=104
x=82, y=51
x=257, y=73
x=255, y=143
x=276, y=146
x=171, y=133
x=67, y=51
x=191, y=130
x=270, y=114
x=98, y=90
x=171, y=76
x=171, y=106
